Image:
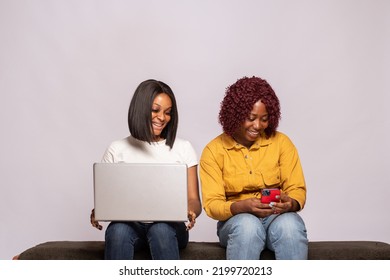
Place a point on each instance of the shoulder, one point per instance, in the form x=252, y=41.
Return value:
x=116, y=148
x=128, y=142
x=183, y=146
x=216, y=147
x=282, y=141
x=182, y=142
x=280, y=137
x=218, y=141
x=185, y=150
x=120, y=142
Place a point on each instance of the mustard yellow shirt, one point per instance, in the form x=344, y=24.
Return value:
x=230, y=172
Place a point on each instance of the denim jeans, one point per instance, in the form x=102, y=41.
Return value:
x=245, y=236
x=163, y=239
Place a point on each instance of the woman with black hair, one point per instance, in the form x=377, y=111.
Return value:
x=153, y=122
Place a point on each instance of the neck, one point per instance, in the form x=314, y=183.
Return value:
x=157, y=139
x=246, y=144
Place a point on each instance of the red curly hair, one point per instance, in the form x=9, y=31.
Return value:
x=239, y=100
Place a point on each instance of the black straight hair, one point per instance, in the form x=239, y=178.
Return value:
x=140, y=112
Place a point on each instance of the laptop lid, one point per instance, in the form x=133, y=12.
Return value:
x=140, y=191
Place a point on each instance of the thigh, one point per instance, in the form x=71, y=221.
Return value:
x=125, y=232
x=168, y=231
x=240, y=226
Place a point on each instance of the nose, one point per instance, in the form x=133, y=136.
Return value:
x=256, y=124
x=161, y=116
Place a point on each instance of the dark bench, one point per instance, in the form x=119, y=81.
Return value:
x=319, y=250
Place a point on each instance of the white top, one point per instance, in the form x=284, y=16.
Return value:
x=131, y=150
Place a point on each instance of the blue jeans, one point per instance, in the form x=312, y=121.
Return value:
x=163, y=239
x=245, y=236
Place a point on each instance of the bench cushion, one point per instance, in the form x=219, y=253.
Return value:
x=320, y=250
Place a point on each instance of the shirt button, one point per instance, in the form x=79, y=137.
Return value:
x=250, y=172
x=246, y=156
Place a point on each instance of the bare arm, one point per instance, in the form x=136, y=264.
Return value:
x=194, y=205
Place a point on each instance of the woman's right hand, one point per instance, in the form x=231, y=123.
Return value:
x=95, y=223
x=253, y=206
x=191, y=219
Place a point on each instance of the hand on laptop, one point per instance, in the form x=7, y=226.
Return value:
x=191, y=220
x=95, y=223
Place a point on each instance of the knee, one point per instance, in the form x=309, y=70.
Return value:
x=245, y=221
x=289, y=225
x=247, y=227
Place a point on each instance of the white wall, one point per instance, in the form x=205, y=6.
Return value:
x=68, y=70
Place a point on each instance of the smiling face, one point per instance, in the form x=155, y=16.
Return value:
x=161, y=114
x=253, y=126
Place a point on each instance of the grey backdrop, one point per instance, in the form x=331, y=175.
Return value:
x=68, y=70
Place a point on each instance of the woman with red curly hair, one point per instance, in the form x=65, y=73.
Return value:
x=252, y=179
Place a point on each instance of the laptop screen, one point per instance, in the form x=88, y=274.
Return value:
x=140, y=192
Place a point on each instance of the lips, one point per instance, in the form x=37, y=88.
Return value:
x=158, y=126
x=253, y=134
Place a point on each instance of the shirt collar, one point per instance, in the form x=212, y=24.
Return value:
x=229, y=143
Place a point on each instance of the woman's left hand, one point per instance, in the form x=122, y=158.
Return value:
x=191, y=219
x=286, y=204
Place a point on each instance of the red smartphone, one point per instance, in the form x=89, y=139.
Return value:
x=269, y=195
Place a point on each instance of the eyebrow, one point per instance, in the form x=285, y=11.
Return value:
x=161, y=106
x=262, y=116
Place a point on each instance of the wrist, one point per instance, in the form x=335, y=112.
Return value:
x=235, y=208
x=294, y=205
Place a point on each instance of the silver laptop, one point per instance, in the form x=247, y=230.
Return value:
x=140, y=192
